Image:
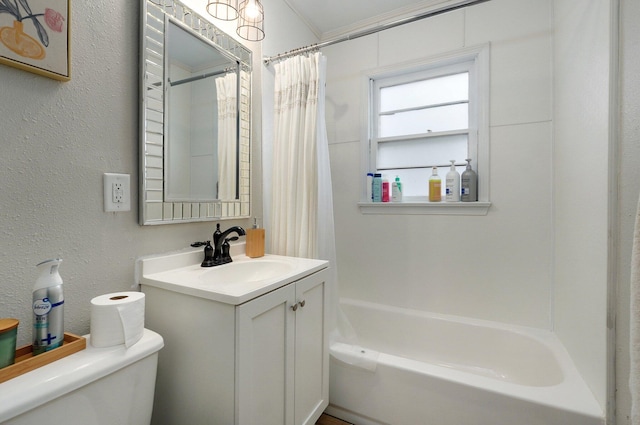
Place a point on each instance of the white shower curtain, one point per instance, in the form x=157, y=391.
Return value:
x=301, y=203
x=295, y=158
x=301, y=210
x=226, y=88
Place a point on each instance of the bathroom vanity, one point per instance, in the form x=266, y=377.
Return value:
x=245, y=343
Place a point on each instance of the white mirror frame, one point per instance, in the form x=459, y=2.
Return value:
x=153, y=208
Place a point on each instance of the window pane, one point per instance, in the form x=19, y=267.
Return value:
x=443, y=118
x=451, y=88
x=424, y=152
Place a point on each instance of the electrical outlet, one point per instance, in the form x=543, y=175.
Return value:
x=117, y=192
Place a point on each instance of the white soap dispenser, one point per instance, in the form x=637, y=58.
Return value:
x=48, y=308
x=452, y=184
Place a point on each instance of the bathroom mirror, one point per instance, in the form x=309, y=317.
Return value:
x=195, y=115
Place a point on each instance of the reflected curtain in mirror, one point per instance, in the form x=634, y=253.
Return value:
x=226, y=91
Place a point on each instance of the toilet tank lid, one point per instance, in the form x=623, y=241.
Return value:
x=49, y=382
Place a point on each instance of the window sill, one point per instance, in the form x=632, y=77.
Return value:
x=425, y=208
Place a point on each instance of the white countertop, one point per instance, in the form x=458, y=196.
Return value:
x=181, y=272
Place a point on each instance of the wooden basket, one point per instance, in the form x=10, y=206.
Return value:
x=26, y=361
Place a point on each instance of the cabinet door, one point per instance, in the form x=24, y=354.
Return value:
x=265, y=359
x=311, y=349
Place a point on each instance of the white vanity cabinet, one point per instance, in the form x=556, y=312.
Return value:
x=257, y=361
x=282, y=356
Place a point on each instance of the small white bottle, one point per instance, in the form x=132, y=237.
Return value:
x=452, y=184
x=396, y=190
x=369, y=187
x=48, y=308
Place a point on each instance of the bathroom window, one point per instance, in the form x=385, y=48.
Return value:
x=424, y=115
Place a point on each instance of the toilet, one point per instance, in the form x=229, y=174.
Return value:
x=107, y=386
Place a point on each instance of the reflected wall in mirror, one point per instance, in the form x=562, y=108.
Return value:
x=196, y=85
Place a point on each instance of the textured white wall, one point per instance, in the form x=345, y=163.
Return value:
x=56, y=141
x=495, y=267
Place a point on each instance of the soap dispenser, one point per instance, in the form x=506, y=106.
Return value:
x=254, y=247
x=452, y=184
x=469, y=184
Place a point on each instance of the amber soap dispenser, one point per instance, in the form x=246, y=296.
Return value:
x=255, y=241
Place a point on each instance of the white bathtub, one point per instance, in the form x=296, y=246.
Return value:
x=439, y=370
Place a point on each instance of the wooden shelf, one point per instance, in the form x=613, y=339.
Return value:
x=26, y=362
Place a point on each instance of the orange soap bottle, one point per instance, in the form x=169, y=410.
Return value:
x=255, y=241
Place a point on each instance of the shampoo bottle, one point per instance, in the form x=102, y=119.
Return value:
x=452, y=184
x=48, y=308
x=396, y=190
x=254, y=247
x=386, y=190
x=435, y=186
x=377, y=187
x=469, y=184
x=369, y=187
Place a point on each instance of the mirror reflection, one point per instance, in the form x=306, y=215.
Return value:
x=195, y=86
x=201, y=119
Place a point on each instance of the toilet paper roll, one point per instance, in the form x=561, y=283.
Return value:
x=117, y=318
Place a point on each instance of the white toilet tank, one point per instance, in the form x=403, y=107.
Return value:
x=106, y=386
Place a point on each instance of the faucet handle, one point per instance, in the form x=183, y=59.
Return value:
x=226, y=257
x=209, y=260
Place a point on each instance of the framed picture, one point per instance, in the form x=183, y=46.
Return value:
x=35, y=36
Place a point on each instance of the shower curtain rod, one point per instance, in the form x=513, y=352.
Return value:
x=460, y=5
x=200, y=77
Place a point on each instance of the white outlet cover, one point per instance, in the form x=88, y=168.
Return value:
x=117, y=192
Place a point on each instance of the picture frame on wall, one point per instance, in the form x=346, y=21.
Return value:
x=35, y=36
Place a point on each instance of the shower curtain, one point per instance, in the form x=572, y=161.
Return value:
x=226, y=88
x=300, y=208
x=295, y=158
x=301, y=204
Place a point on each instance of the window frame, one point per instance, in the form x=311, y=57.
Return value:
x=475, y=60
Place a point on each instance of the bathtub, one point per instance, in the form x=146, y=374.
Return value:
x=416, y=368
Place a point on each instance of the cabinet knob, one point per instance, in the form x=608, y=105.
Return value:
x=294, y=307
x=302, y=303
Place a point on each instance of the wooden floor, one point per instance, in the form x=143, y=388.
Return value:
x=330, y=420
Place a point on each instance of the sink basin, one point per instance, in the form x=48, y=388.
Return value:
x=233, y=283
x=244, y=272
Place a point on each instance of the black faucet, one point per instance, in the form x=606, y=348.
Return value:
x=221, y=246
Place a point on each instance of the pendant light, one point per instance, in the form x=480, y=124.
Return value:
x=226, y=10
x=251, y=20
